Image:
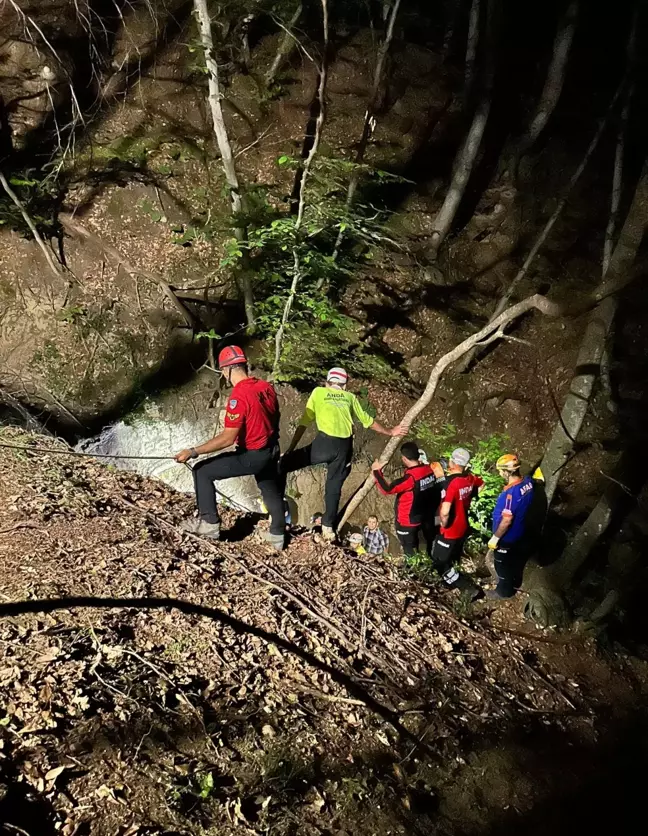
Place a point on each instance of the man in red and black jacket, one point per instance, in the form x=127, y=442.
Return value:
x=417, y=495
x=252, y=423
x=458, y=491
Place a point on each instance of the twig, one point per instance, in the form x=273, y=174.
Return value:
x=256, y=142
x=32, y=227
x=363, y=621
x=620, y=484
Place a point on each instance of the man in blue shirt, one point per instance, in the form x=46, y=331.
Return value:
x=508, y=542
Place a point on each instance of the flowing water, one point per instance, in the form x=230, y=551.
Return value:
x=151, y=435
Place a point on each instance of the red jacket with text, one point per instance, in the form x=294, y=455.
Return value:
x=417, y=492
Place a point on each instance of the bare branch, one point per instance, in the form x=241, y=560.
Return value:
x=489, y=333
x=32, y=227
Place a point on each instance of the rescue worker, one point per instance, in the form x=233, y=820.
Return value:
x=414, y=492
x=509, y=543
x=332, y=409
x=459, y=489
x=252, y=423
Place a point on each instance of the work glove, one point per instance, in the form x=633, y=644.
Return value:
x=492, y=543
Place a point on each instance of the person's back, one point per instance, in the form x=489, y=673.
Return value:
x=516, y=499
x=458, y=491
x=254, y=408
x=459, y=488
x=333, y=411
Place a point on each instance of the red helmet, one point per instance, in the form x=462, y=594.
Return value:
x=232, y=355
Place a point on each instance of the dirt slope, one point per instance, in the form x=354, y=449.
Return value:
x=308, y=692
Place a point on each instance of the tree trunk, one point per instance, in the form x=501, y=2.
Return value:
x=610, y=232
x=555, y=78
x=286, y=46
x=225, y=148
x=491, y=332
x=599, y=323
x=467, y=155
x=368, y=122
x=471, y=47
x=544, y=234
x=319, y=126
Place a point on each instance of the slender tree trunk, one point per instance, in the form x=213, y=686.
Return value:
x=471, y=47
x=610, y=232
x=286, y=46
x=599, y=323
x=368, y=122
x=31, y=225
x=555, y=78
x=491, y=332
x=544, y=234
x=225, y=147
x=467, y=155
x=301, y=207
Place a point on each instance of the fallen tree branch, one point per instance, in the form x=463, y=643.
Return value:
x=491, y=332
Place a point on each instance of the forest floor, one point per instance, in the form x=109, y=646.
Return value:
x=307, y=692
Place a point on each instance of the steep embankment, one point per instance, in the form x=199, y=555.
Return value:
x=307, y=692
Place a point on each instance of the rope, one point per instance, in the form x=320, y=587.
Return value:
x=56, y=451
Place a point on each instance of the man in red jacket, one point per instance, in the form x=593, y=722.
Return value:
x=252, y=423
x=459, y=489
x=417, y=495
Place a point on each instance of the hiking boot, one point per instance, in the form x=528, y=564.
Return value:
x=201, y=528
x=277, y=541
x=328, y=535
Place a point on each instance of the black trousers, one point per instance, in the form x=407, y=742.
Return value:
x=336, y=454
x=408, y=537
x=262, y=464
x=509, y=564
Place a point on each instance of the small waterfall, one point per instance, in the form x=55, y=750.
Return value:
x=151, y=435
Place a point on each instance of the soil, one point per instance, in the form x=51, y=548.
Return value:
x=225, y=688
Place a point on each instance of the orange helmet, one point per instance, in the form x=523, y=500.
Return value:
x=508, y=462
x=232, y=355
